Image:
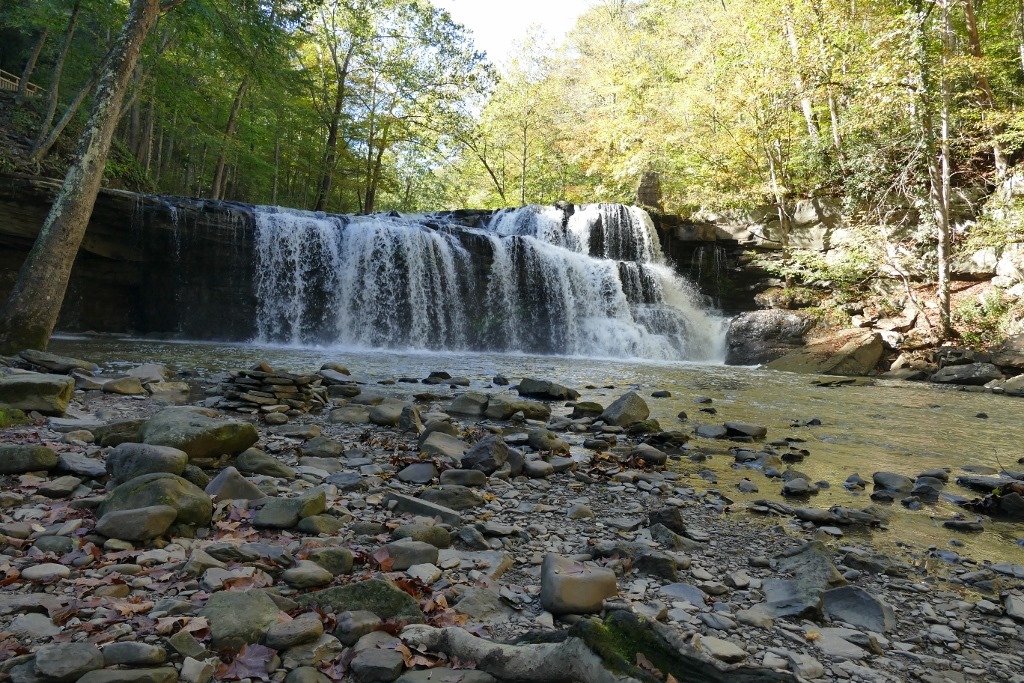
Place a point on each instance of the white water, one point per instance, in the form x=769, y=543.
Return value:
x=529, y=281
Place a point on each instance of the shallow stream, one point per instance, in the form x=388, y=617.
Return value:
x=896, y=426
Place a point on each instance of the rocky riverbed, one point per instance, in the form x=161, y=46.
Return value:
x=311, y=526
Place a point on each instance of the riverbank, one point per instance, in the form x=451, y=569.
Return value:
x=696, y=555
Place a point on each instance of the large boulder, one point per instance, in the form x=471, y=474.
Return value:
x=129, y=460
x=47, y=394
x=544, y=389
x=487, y=455
x=762, y=336
x=194, y=506
x=974, y=374
x=571, y=587
x=849, y=353
x=199, y=432
x=626, y=410
x=239, y=618
x=381, y=597
x=20, y=458
x=54, y=363
x=504, y=407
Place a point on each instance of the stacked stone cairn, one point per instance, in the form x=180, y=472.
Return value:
x=262, y=389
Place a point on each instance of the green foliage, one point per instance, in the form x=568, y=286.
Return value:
x=988, y=320
x=809, y=267
x=123, y=170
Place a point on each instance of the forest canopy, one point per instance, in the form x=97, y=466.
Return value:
x=363, y=105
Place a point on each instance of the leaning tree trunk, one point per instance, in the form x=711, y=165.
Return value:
x=58, y=69
x=30, y=312
x=30, y=67
x=217, y=192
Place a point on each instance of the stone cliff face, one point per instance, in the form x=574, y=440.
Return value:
x=185, y=268
x=128, y=276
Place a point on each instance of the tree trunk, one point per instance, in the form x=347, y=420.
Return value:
x=30, y=67
x=375, y=175
x=43, y=147
x=58, y=68
x=31, y=310
x=217, y=192
x=936, y=153
x=987, y=98
x=798, y=80
x=522, y=174
x=331, y=148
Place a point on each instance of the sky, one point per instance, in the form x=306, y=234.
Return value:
x=496, y=24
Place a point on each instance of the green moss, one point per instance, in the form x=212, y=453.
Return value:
x=619, y=638
x=10, y=417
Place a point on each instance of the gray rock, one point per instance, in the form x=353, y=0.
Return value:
x=452, y=497
x=356, y=415
x=65, y=662
x=443, y=673
x=890, y=481
x=472, y=478
x=321, y=447
x=387, y=413
x=336, y=560
x=307, y=574
x=163, y=674
x=437, y=536
x=710, y=431
x=538, y=469
x=353, y=625
x=306, y=628
x=471, y=403
x=194, y=507
x=138, y=524
x=61, y=487
x=852, y=352
x=285, y=513
x=746, y=429
x=418, y=506
x=857, y=607
x=56, y=363
x=129, y=460
x=625, y=410
x=798, y=487
x=306, y=674
x=374, y=665
x=133, y=654
x=502, y=407
x=486, y=455
x=124, y=386
x=406, y=553
x=544, y=389
x=231, y=485
x=47, y=394
x=32, y=626
x=569, y=587
x=19, y=459
x=81, y=466
x=1014, y=605
x=418, y=473
x=439, y=443
x=684, y=592
x=148, y=373
x=973, y=374
x=813, y=572
x=378, y=596
x=239, y=618
x=649, y=455
x=255, y=461
x=327, y=525
x=198, y=432
x=546, y=440
x=722, y=650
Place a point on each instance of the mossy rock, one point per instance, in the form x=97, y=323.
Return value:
x=198, y=432
x=381, y=597
x=117, y=433
x=194, y=506
x=623, y=635
x=9, y=417
x=48, y=394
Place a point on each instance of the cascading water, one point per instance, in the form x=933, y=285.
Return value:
x=588, y=281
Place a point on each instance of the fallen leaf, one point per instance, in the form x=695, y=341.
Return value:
x=253, y=661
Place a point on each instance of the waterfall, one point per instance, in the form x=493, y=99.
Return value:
x=587, y=281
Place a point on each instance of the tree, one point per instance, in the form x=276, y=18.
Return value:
x=30, y=313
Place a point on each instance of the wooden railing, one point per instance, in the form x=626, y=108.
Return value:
x=9, y=81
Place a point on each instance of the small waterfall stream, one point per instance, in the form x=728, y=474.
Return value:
x=583, y=281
